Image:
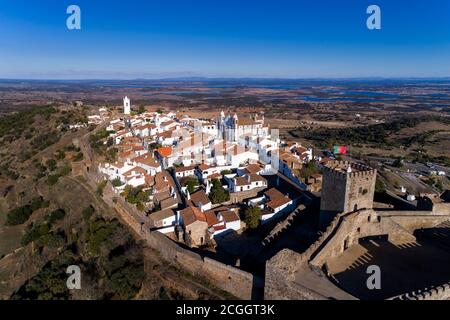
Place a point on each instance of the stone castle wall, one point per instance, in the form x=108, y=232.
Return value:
x=279, y=281
x=228, y=278
x=357, y=225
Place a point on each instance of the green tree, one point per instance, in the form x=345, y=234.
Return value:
x=251, y=216
x=218, y=194
x=379, y=186
x=19, y=215
x=190, y=182
x=117, y=182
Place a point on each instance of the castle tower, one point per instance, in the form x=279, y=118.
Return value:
x=235, y=127
x=126, y=105
x=346, y=187
x=221, y=126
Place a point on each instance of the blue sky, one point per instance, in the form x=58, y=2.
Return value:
x=227, y=38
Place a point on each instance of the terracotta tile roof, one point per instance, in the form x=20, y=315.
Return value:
x=168, y=203
x=214, y=176
x=161, y=195
x=166, y=134
x=211, y=218
x=203, y=166
x=137, y=170
x=162, y=181
x=252, y=168
x=165, y=151
x=216, y=210
x=277, y=202
x=241, y=181
x=192, y=214
x=199, y=197
x=148, y=160
x=229, y=216
x=273, y=193
x=183, y=169
x=126, y=154
x=131, y=140
x=256, y=177
x=162, y=214
x=167, y=123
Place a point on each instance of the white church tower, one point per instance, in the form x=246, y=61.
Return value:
x=126, y=105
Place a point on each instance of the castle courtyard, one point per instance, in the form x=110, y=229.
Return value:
x=404, y=267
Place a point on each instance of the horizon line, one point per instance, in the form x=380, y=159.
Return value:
x=205, y=78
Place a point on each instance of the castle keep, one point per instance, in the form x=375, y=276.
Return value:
x=347, y=187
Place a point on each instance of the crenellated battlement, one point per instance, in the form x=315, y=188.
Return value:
x=339, y=169
x=441, y=292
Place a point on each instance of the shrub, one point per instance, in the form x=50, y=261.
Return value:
x=65, y=170
x=34, y=232
x=55, y=216
x=100, y=187
x=88, y=212
x=52, y=179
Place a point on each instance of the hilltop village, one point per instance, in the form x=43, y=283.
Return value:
x=262, y=217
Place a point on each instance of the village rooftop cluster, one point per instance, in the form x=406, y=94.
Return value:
x=195, y=176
